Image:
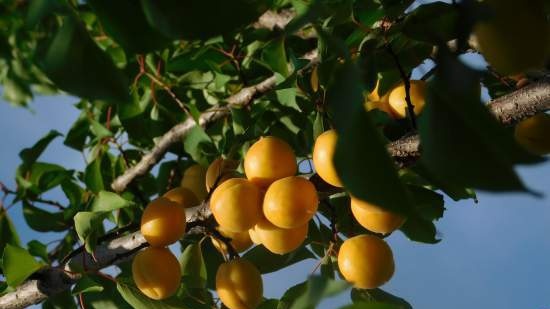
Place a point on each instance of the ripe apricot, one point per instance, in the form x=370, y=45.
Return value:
x=163, y=222
x=397, y=101
x=236, y=205
x=269, y=159
x=239, y=241
x=239, y=284
x=156, y=272
x=193, y=179
x=278, y=240
x=534, y=134
x=515, y=36
x=222, y=168
x=323, y=154
x=290, y=202
x=182, y=196
x=374, y=218
x=254, y=236
x=366, y=261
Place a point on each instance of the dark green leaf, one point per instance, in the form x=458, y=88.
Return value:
x=433, y=22
x=86, y=285
x=76, y=137
x=38, y=249
x=318, y=288
x=268, y=262
x=419, y=229
x=194, y=143
x=291, y=295
x=427, y=204
x=380, y=297
x=63, y=300
x=193, y=269
x=30, y=155
x=138, y=300
x=372, y=305
x=93, y=177
x=44, y=221
x=274, y=55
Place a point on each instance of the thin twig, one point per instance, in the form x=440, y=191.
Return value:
x=407, y=82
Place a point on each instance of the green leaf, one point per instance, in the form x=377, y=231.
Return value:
x=212, y=259
x=361, y=158
x=269, y=304
x=86, y=285
x=63, y=300
x=109, y=201
x=99, y=130
x=433, y=22
x=138, y=300
x=318, y=125
x=419, y=229
x=193, y=269
x=291, y=295
x=194, y=143
x=16, y=91
x=427, y=204
x=8, y=233
x=268, y=262
x=30, y=155
x=93, y=176
x=18, y=265
x=186, y=19
x=44, y=221
x=76, y=137
x=38, y=249
x=88, y=226
x=319, y=288
x=378, y=296
x=447, y=125
x=274, y=56
x=372, y=305
x=77, y=65
x=125, y=22
x=456, y=192
x=39, y=9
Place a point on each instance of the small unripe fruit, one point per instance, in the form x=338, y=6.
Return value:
x=182, y=196
x=239, y=241
x=239, y=284
x=323, y=154
x=366, y=261
x=397, y=101
x=374, y=218
x=193, y=179
x=156, y=272
x=278, y=240
x=236, y=205
x=269, y=159
x=290, y=202
x=221, y=168
x=534, y=134
x=163, y=222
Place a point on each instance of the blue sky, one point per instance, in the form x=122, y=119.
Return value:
x=492, y=255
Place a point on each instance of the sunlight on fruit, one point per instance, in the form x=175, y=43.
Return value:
x=254, y=236
x=163, y=222
x=269, y=159
x=366, y=261
x=156, y=272
x=278, y=240
x=290, y=202
x=239, y=284
x=236, y=204
x=374, y=218
x=182, y=196
x=239, y=241
x=221, y=168
x=323, y=154
x=193, y=179
x=397, y=101
x=534, y=134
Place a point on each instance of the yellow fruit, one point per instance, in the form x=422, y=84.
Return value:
x=269, y=159
x=163, y=222
x=534, y=134
x=239, y=241
x=193, y=179
x=374, y=218
x=222, y=168
x=366, y=261
x=398, y=104
x=278, y=240
x=323, y=154
x=239, y=284
x=236, y=205
x=290, y=202
x=515, y=36
x=254, y=236
x=156, y=272
x=382, y=105
x=182, y=196
x=374, y=96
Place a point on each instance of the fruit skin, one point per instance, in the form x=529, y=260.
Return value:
x=236, y=205
x=374, y=218
x=534, y=134
x=163, y=222
x=222, y=168
x=254, y=236
x=182, y=196
x=269, y=159
x=278, y=240
x=290, y=202
x=239, y=284
x=514, y=38
x=239, y=241
x=156, y=272
x=366, y=261
x=323, y=154
x=193, y=179
x=398, y=104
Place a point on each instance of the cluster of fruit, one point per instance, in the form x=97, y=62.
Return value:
x=393, y=102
